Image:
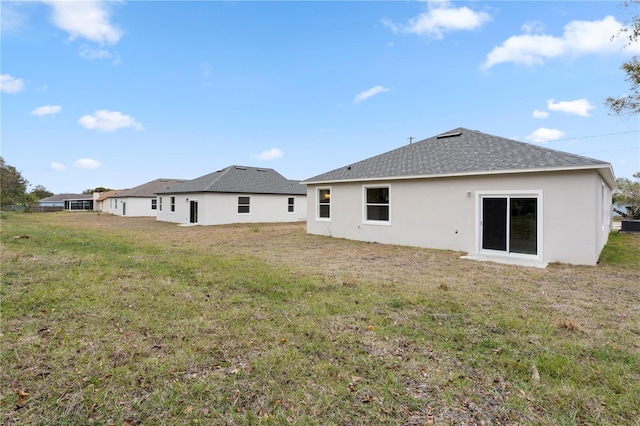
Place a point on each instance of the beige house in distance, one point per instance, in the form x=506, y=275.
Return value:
x=141, y=200
x=490, y=197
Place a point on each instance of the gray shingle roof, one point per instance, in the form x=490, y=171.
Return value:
x=240, y=179
x=149, y=189
x=459, y=152
x=63, y=197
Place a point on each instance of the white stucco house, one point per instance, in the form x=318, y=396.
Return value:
x=235, y=194
x=491, y=197
x=101, y=204
x=71, y=202
x=141, y=200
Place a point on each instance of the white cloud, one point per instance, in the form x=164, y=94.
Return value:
x=270, y=154
x=206, y=70
x=85, y=19
x=579, y=38
x=540, y=114
x=10, y=84
x=12, y=19
x=543, y=135
x=46, y=110
x=57, y=166
x=109, y=121
x=87, y=163
x=363, y=96
x=91, y=54
x=440, y=19
x=578, y=107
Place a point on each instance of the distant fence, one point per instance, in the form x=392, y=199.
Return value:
x=45, y=209
x=34, y=209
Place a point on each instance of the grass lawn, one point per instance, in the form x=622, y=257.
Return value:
x=111, y=320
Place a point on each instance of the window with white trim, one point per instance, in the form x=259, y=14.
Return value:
x=173, y=204
x=244, y=205
x=324, y=203
x=160, y=203
x=376, y=204
x=154, y=204
x=291, y=204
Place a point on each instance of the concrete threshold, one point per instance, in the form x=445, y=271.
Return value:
x=507, y=260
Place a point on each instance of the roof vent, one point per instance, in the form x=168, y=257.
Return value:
x=241, y=168
x=448, y=135
x=261, y=170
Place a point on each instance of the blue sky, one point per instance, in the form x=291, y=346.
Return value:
x=117, y=94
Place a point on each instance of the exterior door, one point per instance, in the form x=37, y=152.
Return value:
x=510, y=224
x=193, y=211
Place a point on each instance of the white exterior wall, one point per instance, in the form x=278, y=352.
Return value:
x=437, y=213
x=221, y=209
x=136, y=207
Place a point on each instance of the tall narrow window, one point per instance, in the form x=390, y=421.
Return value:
x=377, y=204
x=291, y=204
x=154, y=204
x=324, y=203
x=160, y=203
x=173, y=204
x=244, y=205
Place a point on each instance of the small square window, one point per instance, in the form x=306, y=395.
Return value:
x=244, y=205
x=377, y=204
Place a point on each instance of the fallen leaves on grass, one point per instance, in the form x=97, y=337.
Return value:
x=568, y=325
x=22, y=398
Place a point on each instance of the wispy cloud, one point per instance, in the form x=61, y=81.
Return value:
x=578, y=107
x=87, y=163
x=96, y=54
x=57, y=166
x=109, y=121
x=12, y=19
x=10, y=84
x=90, y=20
x=543, y=135
x=363, y=96
x=441, y=18
x=46, y=110
x=578, y=39
x=270, y=154
x=540, y=114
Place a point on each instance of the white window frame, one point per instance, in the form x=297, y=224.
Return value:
x=534, y=193
x=291, y=206
x=604, y=206
x=367, y=221
x=173, y=204
x=159, y=204
x=154, y=204
x=323, y=188
x=248, y=204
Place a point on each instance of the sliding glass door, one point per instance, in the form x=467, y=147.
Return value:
x=510, y=224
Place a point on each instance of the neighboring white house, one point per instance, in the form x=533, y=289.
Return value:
x=491, y=197
x=141, y=200
x=236, y=194
x=72, y=202
x=101, y=204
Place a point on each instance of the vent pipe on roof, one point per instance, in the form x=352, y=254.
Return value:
x=448, y=135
